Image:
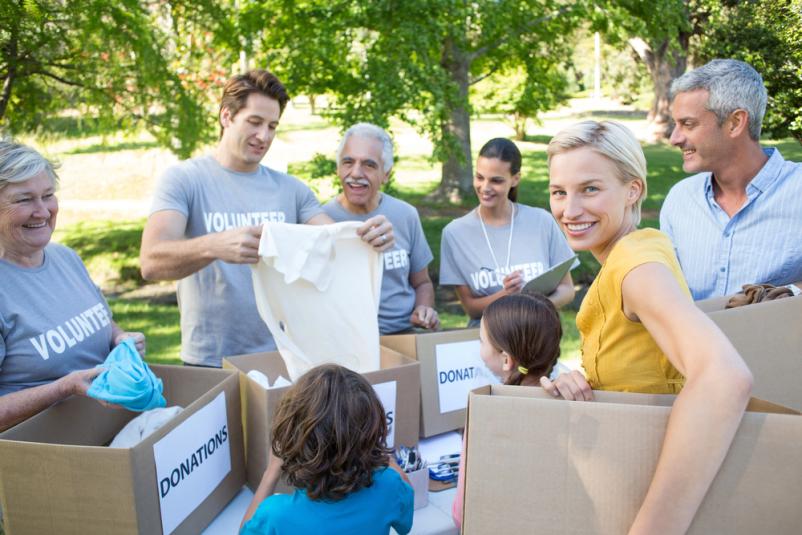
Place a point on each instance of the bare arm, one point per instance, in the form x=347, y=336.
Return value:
x=475, y=306
x=266, y=488
x=423, y=315
x=167, y=254
x=19, y=406
x=564, y=293
x=707, y=412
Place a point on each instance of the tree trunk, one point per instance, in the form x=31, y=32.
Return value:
x=665, y=63
x=457, y=171
x=5, y=96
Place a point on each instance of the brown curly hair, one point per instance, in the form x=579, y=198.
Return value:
x=330, y=432
x=527, y=327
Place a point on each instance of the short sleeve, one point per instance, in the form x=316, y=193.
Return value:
x=420, y=252
x=306, y=203
x=449, y=273
x=171, y=192
x=406, y=509
x=656, y=249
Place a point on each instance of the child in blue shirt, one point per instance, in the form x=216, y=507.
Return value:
x=329, y=441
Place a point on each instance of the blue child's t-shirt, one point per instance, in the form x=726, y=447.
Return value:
x=388, y=502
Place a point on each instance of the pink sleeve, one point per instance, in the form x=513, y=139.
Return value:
x=456, y=507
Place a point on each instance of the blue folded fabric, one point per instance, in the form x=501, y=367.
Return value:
x=127, y=381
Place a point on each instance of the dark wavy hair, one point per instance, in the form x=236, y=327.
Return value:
x=330, y=432
x=527, y=327
x=238, y=88
x=506, y=151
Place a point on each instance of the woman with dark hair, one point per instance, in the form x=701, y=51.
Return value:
x=501, y=244
x=329, y=441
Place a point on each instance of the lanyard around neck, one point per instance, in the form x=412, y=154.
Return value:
x=487, y=239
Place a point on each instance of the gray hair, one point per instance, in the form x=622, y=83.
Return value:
x=20, y=162
x=612, y=140
x=371, y=131
x=733, y=85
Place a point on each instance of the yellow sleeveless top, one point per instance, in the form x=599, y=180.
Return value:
x=618, y=353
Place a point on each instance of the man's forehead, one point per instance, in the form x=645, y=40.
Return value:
x=259, y=105
x=363, y=148
x=690, y=103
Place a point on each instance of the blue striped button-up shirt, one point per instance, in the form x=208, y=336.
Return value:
x=761, y=243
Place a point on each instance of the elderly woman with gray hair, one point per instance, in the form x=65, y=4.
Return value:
x=56, y=326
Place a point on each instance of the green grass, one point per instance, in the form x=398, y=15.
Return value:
x=110, y=250
x=158, y=322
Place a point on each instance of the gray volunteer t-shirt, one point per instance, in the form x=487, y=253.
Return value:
x=218, y=309
x=53, y=321
x=465, y=259
x=410, y=254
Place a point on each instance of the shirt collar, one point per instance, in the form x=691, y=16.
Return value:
x=770, y=171
x=762, y=180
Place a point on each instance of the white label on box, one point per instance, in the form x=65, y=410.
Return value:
x=191, y=461
x=460, y=369
x=386, y=394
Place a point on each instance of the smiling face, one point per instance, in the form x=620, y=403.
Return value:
x=361, y=172
x=591, y=204
x=27, y=218
x=697, y=133
x=493, y=182
x=248, y=134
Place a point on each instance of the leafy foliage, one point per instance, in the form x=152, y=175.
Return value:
x=767, y=34
x=119, y=62
x=413, y=59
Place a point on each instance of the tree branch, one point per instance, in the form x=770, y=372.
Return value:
x=521, y=30
x=58, y=78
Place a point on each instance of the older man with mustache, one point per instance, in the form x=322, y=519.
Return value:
x=364, y=162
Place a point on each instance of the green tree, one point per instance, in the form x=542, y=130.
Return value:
x=519, y=96
x=767, y=34
x=117, y=61
x=414, y=59
x=659, y=32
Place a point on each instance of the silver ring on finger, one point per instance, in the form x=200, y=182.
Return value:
x=384, y=238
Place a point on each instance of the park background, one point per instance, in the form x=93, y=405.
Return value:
x=118, y=91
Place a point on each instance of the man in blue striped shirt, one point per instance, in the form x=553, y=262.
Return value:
x=739, y=220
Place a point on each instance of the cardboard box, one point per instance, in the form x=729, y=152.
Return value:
x=419, y=479
x=537, y=463
x=57, y=476
x=450, y=367
x=397, y=384
x=769, y=338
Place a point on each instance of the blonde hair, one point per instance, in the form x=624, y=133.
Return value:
x=612, y=140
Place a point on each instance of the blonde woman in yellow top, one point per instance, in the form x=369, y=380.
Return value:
x=640, y=330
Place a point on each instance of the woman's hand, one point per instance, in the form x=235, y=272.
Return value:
x=139, y=340
x=571, y=386
x=513, y=283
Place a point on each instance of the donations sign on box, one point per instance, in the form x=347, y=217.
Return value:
x=191, y=461
x=460, y=369
x=450, y=367
x=386, y=394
